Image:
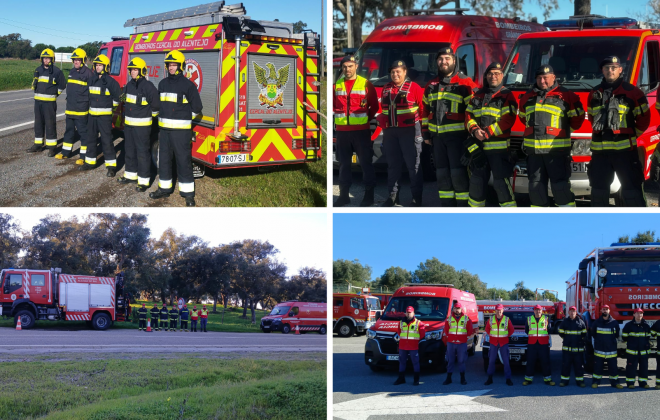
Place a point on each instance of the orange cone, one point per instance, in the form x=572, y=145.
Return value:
x=148, y=325
x=18, y=324
x=297, y=330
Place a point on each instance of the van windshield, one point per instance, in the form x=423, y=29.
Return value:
x=376, y=57
x=280, y=310
x=426, y=308
x=575, y=61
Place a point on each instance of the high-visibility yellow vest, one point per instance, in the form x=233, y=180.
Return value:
x=410, y=332
x=501, y=330
x=353, y=102
x=538, y=331
x=458, y=327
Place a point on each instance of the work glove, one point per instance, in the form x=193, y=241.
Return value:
x=599, y=122
x=474, y=153
x=613, y=120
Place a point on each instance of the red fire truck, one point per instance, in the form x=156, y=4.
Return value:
x=487, y=308
x=259, y=110
x=353, y=313
x=33, y=295
x=574, y=48
x=416, y=39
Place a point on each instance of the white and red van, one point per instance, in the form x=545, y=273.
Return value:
x=291, y=315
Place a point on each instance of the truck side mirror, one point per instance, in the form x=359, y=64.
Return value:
x=378, y=315
x=582, y=277
x=584, y=263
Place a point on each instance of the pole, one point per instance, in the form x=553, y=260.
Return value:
x=322, y=52
x=349, y=31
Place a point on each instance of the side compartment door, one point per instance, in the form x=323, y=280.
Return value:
x=648, y=80
x=40, y=288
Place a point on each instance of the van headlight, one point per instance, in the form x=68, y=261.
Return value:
x=371, y=334
x=434, y=335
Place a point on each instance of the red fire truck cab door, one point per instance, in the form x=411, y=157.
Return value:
x=293, y=313
x=12, y=286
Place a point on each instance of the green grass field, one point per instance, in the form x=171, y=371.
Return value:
x=163, y=388
x=17, y=74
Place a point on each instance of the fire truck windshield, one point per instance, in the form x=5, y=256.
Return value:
x=632, y=272
x=575, y=61
x=375, y=59
x=280, y=310
x=426, y=308
x=373, y=304
x=518, y=318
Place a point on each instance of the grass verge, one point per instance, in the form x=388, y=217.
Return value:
x=17, y=74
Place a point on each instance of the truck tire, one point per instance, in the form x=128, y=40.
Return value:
x=346, y=330
x=286, y=328
x=101, y=322
x=323, y=330
x=27, y=319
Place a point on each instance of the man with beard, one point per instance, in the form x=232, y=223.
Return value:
x=637, y=335
x=489, y=117
x=619, y=113
x=605, y=331
x=550, y=113
x=409, y=332
x=573, y=331
x=443, y=126
x=460, y=330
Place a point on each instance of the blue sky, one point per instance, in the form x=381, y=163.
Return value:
x=72, y=23
x=542, y=250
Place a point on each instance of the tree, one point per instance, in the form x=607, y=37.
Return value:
x=91, y=48
x=547, y=295
x=299, y=26
x=358, y=13
x=394, y=277
x=641, y=238
x=37, y=49
x=511, y=8
x=497, y=293
x=582, y=7
x=65, y=49
x=11, y=241
x=345, y=272
x=435, y=272
x=309, y=285
x=521, y=292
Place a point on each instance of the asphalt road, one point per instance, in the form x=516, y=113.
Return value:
x=17, y=110
x=360, y=394
x=45, y=341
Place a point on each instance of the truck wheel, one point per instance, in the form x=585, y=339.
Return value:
x=323, y=330
x=346, y=330
x=101, y=322
x=286, y=329
x=27, y=319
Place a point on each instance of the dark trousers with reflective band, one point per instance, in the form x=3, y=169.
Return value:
x=163, y=324
x=177, y=144
x=612, y=369
x=143, y=324
x=184, y=325
x=173, y=324
x=403, y=359
x=635, y=360
x=193, y=325
x=556, y=169
x=492, y=359
x=628, y=169
x=360, y=143
x=541, y=352
x=72, y=125
x=45, y=123
x=502, y=169
x=456, y=354
x=401, y=147
x=202, y=324
x=138, y=156
x=453, y=180
x=575, y=360
x=100, y=124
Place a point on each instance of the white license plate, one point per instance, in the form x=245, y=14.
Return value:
x=392, y=357
x=266, y=326
x=516, y=351
x=224, y=159
x=578, y=166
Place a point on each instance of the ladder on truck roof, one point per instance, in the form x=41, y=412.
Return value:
x=203, y=14
x=313, y=143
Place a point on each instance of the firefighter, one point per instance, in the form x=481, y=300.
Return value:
x=164, y=315
x=460, y=329
x=154, y=316
x=142, y=104
x=402, y=104
x=184, y=318
x=142, y=314
x=446, y=98
x=104, y=95
x=499, y=328
x=637, y=334
x=489, y=117
x=193, y=319
x=538, y=346
x=655, y=331
x=48, y=84
x=180, y=104
x=203, y=317
x=408, y=333
x=550, y=113
x=619, y=113
x=355, y=103
x=573, y=331
x=174, y=318
x=77, y=106
x=605, y=331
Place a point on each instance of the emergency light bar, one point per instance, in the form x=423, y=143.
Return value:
x=630, y=243
x=427, y=284
x=580, y=23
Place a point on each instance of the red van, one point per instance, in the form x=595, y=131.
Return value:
x=305, y=316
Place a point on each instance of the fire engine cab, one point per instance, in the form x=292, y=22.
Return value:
x=258, y=82
x=574, y=48
x=353, y=313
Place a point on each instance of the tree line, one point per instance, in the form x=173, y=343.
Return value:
x=14, y=46
x=159, y=269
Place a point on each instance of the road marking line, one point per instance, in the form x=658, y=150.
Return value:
x=22, y=124
x=12, y=100
x=14, y=91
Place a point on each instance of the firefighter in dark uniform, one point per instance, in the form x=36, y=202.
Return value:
x=184, y=318
x=142, y=104
x=637, y=334
x=48, y=84
x=605, y=331
x=77, y=106
x=489, y=117
x=355, y=103
x=446, y=98
x=573, y=331
x=538, y=346
x=142, y=315
x=164, y=315
x=655, y=331
x=155, y=312
x=194, y=315
x=104, y=95
x=174, y=318
x=619, y=113
x=402, y=105
x=550, y=113
x=180, y=105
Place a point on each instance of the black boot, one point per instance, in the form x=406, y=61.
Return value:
x=368, y=198
x=124, y=180
x=190, y=201
x=463, y=381
x=509, y=382
x=35, y=148
x=51, y=152
x=112, y=171
x=401, y=379
x=141, y=188
x=392, y=200
x=416, y=202
x=448, y=380
x=489, y=380
x=416, y=379
x=159, y=194
x=86, y=167
x=343, y=197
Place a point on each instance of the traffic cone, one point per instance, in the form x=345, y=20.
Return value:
x=148, y=325
x=18, y=324
x=297, y=330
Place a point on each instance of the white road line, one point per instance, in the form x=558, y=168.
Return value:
x=14, y=91
x=22, y=124
x=12, y=100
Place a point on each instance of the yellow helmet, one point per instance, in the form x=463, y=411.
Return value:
x=79, y=53
x=47, y=53
x=175, y=56
x=102, y=59
x=138, y=63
